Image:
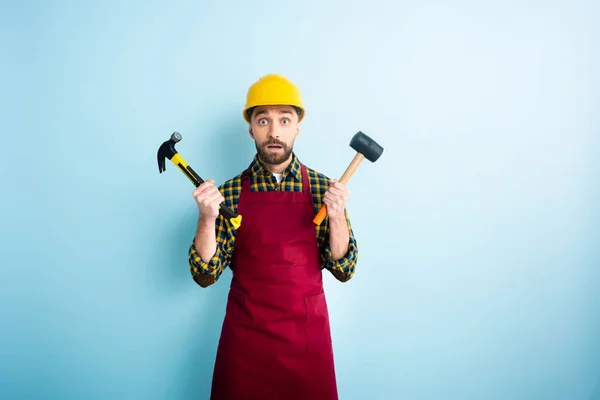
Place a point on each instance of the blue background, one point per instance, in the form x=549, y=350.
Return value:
x=478, y=227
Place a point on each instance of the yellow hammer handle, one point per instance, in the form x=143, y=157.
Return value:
x=344, y=179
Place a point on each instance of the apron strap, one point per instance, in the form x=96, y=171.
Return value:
x=305, y=181
x=246, y=180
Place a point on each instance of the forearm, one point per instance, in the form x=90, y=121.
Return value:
x=339, y=252
x=339, y=236
x=206, y=240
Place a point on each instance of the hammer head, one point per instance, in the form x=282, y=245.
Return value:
x=167, y=150
x=366, y=146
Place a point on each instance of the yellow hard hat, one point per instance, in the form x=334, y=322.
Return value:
x=273, y=89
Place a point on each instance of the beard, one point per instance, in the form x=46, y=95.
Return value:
x=274, y=158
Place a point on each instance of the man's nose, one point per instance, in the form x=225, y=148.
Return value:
x=273, y=131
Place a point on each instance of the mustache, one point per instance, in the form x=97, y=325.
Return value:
x=272, y=142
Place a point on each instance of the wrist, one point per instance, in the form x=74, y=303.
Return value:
x=206, y=224
x=339, y=219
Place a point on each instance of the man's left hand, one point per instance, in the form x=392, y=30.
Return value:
x=335, y=199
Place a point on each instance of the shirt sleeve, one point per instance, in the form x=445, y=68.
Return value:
x=207, y=273
x=342, y=269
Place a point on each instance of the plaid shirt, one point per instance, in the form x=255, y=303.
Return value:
x=262, y=180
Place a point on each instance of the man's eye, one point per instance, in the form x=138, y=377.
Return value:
x=285, y=121
x=262, y=121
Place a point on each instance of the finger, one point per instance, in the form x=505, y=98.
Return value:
x=210, y=190
x=336, y=196
x=336, y=191
x=210, y=202
x=203, y=187
x=337, y=202
x=208, y=182
x=333, y=203
x=212, y=193
x=208, y=196
x=203, y=194
x=215, y=197
x=336, y=183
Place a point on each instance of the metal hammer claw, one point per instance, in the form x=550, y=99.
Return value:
x=365, y=148
x=167, y=150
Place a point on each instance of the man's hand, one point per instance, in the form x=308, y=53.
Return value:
x=335, y=199
x=208, y=197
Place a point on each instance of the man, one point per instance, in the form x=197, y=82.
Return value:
x=275, y=340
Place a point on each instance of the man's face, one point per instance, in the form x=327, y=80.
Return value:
x=274, y=129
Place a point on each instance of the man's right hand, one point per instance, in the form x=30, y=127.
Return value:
x=208, y=197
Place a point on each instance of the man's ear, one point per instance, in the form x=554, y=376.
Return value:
x=250, y=132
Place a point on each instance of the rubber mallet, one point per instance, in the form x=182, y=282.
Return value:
x=365, y=148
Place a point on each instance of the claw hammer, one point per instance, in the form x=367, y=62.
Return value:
x=167, y=150
x=365, y=148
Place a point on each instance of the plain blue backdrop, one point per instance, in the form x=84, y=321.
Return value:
x=478, y=275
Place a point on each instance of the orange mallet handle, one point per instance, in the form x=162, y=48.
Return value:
x=344, y=179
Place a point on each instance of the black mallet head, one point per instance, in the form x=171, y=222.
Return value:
x=366, y=146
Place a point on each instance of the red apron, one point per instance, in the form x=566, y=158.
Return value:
x=275, y=342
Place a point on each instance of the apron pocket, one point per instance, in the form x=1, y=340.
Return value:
x=318, y=335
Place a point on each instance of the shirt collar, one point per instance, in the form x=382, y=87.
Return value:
x=294, y=169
